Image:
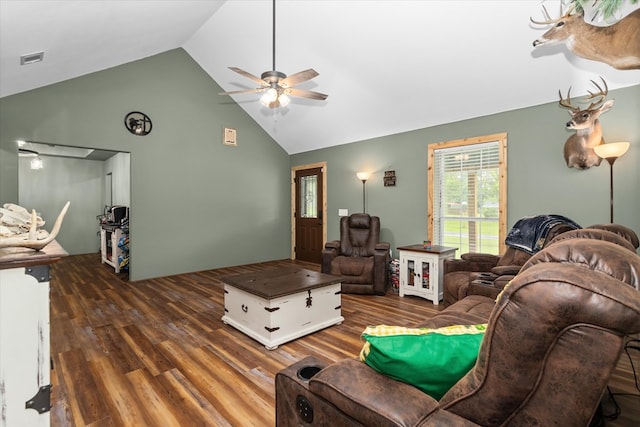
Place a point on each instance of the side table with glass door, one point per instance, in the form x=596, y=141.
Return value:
x=421, y=270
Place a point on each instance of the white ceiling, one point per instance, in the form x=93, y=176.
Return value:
x=387, y=66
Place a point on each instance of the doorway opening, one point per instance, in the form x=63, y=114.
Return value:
x=91, y=179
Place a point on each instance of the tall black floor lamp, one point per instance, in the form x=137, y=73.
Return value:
x=363, y=176
x=611, y=152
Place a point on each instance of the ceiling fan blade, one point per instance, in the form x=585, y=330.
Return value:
x=298, y=78
x=233, y=92
x=306, y=94
x=249, y=76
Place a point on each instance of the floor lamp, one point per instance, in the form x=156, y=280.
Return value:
x=611, y=152
x=363, y=176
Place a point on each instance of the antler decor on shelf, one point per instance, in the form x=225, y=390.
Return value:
x=30, y=239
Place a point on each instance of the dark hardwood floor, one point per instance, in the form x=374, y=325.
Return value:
x=155, y=352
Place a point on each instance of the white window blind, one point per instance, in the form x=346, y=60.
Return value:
x=466, y=191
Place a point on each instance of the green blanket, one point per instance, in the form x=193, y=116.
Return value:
x=432, y=360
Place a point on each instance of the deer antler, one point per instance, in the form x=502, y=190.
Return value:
x=602, y=94
x=549, y=20
x=566, y=103
x=31, y=240
x=599, y=96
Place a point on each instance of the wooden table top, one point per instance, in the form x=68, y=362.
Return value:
x=434, y=249
x=24, y=257
x=277, y=282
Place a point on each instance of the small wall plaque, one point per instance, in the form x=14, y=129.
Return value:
x=138, y=123
x=229, y=137
x=389, y=178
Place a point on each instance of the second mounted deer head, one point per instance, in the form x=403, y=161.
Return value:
x=578, y=150
x=617, y=45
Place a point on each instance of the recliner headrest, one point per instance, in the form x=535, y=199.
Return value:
x=621, y=230
x=599, y=255
x=360, y=221
x=596, y=234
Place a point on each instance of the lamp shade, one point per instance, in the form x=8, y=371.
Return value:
x=363, y=176
x=611, y=150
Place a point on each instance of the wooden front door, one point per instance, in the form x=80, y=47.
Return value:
x=308, y=210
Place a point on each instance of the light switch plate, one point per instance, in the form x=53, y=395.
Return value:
x=343, y=212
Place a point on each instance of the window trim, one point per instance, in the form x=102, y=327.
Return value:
x=501, y=138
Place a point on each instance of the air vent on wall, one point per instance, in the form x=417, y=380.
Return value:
x=30, y=58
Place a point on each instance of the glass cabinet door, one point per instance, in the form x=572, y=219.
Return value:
x=411, y=272
x=426, y=270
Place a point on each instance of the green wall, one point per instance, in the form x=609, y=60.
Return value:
x=47, y=190
x=539, y=181
x=195, y=203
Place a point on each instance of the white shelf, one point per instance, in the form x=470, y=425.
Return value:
x=109, y=249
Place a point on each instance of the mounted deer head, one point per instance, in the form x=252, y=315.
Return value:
x=578, y=150
x=617, y=45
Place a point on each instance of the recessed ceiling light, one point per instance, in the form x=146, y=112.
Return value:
x=30, y=58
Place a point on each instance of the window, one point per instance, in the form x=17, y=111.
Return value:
x=467, y=192
x=309, y=199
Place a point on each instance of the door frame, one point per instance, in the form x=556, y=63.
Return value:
x=294, y=169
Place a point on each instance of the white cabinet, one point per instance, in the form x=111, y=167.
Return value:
x=111, y=252
x=421, y=270
x=25, y=361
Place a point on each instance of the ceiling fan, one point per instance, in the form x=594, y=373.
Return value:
x=276, y=85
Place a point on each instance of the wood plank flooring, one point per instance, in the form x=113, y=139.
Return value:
x=155, y=352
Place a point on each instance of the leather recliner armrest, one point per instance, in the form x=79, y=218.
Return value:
x=370, y=397
x=506, y=270
x=381, y=268
x=332, y=244
x=480, y=257
x=502, y=281
x=486, y=289
x=330, y=251
x=383, y=246
x=446, y=418
x=481, y=263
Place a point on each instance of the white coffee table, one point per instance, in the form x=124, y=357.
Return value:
x=281, y=304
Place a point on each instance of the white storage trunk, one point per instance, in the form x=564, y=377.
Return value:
x=275, y=320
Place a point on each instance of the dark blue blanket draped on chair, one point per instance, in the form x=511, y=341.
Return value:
x=530, y=232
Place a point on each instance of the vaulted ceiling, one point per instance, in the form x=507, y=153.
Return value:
x=387, y=66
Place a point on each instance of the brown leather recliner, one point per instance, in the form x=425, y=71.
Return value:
x=359, y=257
x=552, y=342
x=621, y=230
x=491, y=271
x=614, y=233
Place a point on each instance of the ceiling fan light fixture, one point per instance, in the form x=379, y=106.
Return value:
x=284, y=100
x=269, y=97
x=275, y=85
